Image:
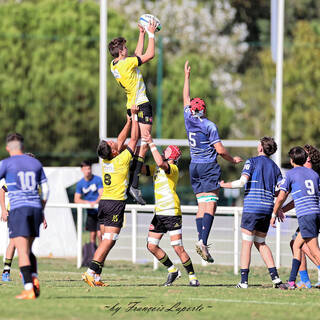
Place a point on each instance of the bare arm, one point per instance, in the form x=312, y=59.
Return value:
x=289, y=206
x=222, y=151
x=280, y=200
x=134, y=128
x=4, y=212
x=124, y=134
x=140, y=44
x=186, y=87
x=149, y=54
x=77, y=199
x=156, y=154
x=235, y=184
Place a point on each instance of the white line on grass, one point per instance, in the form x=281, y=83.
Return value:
x=255, y=302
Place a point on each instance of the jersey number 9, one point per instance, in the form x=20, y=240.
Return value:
x=310, y=186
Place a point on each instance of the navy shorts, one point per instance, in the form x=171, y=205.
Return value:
x=25, y=222
x=204, y=177
x=92, y=223
x=255, y=221
x=309, y=225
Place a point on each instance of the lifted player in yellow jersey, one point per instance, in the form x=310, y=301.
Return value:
x=167, y=212
x=115, y=171
x=127, y=74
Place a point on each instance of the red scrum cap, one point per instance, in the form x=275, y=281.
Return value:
x=172, y=153
x=198, y=107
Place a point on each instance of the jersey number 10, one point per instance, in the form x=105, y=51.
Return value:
x=27, y=180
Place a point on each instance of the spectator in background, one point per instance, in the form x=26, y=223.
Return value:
x=89, y=190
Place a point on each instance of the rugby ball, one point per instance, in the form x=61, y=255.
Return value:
x=145, y=19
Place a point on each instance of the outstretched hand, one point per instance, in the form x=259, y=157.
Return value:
x=237, y=159
x=141, y=29
x=152, y=26
x=187, y=69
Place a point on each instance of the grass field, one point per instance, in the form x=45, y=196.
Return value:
x=65, y=296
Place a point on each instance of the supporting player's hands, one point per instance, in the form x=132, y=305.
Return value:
x=223, y=184
x=148, y=138
x=4, y=215
x=280, y=217
x=237, y=160
x=187, y=69
x=134, y=109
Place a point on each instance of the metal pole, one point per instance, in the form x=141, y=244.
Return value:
x=236, y=243
x=278, y=244
x=79, y=237
x=103, y=70
x=159, y=88
x=279, y=82
x=134, y=235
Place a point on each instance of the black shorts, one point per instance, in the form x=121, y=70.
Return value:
x=111, y=212
x=92, y=223
x=162, y=224
x=144, y=114
x=254, y=221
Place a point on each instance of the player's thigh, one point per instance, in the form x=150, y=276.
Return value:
x=155, y=235
x=145, y=129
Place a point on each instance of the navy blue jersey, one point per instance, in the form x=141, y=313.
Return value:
x=264, y=176
x=89, y=189
x=202, y=135
x=303, y=183
x=23, y=175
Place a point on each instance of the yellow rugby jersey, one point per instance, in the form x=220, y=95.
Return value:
x=115, y=176
x=128, y=75
x=167, y=202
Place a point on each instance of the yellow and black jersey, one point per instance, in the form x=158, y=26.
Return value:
x=115, y=176
x=167, y=202
x=128, y=75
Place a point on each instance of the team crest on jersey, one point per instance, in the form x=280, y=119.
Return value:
x=108, y=167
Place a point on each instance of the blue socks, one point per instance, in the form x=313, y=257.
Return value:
x=244, y=275
x=273, y=273
x=304, y=276
x=294, y=270
x=199, y=227
x=206, y=227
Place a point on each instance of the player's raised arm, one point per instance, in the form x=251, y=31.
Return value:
x=161, y=163
x=134, y=128
x=186, y=87
x=149, y=54
x=140, y=44
x=123, y=135
x=235, y=184
x=222, y=151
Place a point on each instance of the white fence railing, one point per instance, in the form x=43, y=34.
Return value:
x=136, y=209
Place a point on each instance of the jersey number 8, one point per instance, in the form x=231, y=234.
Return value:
x=107, y=179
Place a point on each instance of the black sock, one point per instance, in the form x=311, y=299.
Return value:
x=7, y=265
x=273, y=273
x=244, y=275
x=96, y=266
x=188, y=266
x=26, y=272
x=136, y=172
x=294, y=270
x=33, y=261
x=166, y=261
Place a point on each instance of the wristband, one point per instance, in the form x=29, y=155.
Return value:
x=150, y=35
x=135, y=117
x=153, y=149
x=273, y=215
x=152, y=144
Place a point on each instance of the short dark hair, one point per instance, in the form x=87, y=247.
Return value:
x=269, y=145
x=15, y=137
x=314, y=155
x=85, y=163
x=104, y=150
x=116, y=45
x=298, y=155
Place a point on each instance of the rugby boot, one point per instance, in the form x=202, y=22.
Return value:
x=136, y=195
x=241, y=285
x=304, y=285
x=290, y=285
x=203, y=251
x=88, y=279
x=172, y=276
x=6, y=276
x=27, y=295
x=99, y=283
x=193, y=281
x=277, y=283
x=317, y=285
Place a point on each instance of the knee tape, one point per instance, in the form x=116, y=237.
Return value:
x=247, y=237
x=176, y=242
x=175, y=232
x=154, y=241
x=259, y=239
x=110, y=236
x=210, y=198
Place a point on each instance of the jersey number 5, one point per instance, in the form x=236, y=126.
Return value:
x=107, y=179
x=310, y=186
x=192, y=140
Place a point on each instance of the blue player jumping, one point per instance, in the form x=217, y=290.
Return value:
x=205, y=146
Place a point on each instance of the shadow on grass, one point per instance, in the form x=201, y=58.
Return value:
x=93, y=297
